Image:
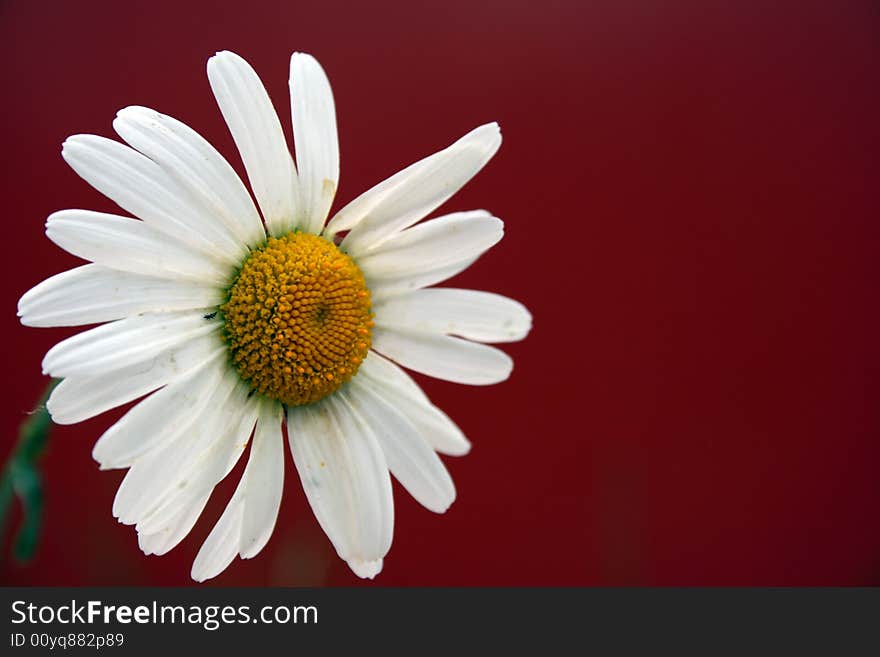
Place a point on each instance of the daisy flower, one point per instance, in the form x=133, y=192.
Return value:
x=231, y=319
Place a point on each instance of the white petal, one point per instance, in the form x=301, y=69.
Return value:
x=264, y=481
x=92, y=294
x=79, y=398
x=480, y=316
x=196, y=165
x=163, y=416
x=444, y=357
x=399, y=389
x=436, y=244
x=140, y=186
x=130, y=245
x=315, y=139
x=213, y=450
x=410, y=459
x=381, y=369
x=415, y=192
x=124, y=342
x=174, y=530
x=345, y=478
x=221, y=546
x=389, y=287
x=250, y=516
x=257, y=132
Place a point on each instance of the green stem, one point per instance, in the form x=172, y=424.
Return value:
x=21, y=478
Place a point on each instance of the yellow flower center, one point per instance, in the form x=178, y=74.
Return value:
x=297, y=319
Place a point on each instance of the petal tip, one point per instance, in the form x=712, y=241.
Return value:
x=443, y=507
x=67, y=145
x=303, y=60
x=365, y=569
x=491, y=132
x=464, y=449
x=221, y=57
x=132, y=112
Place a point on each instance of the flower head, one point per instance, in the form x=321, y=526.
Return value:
x=234, y=320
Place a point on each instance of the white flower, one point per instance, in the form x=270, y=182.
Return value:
x=235, y=319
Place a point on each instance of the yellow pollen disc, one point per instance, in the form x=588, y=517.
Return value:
x=297, y=319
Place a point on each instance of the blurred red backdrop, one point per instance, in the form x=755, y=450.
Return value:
x=690, y=191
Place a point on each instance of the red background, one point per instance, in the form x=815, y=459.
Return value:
x=690, y=194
